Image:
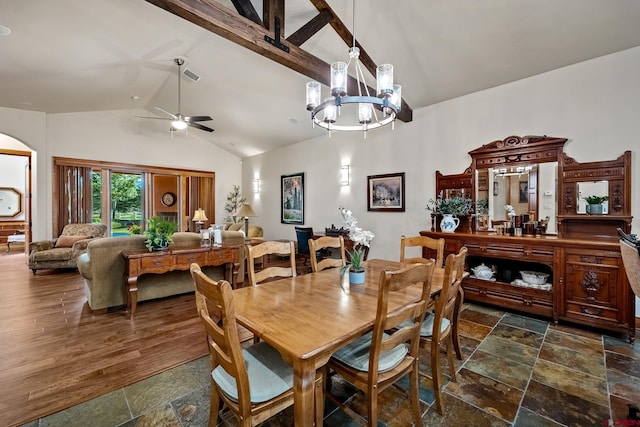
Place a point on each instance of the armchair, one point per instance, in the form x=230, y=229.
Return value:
x=63, y=251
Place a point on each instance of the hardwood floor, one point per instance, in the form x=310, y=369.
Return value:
x=55, y=353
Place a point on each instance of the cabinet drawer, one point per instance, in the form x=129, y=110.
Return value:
x=197, y=257
x=511, y=251
x=160, y=261
x=223, y=255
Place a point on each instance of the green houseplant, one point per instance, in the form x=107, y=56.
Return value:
x=594, y=204
x=450, y=208
x=457, y=205
x=158, y=233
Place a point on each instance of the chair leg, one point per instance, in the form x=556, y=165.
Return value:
x=452, y=367
x=215, y=404
x=372, y=419
x=456, y=321
x=435, y=375
x=415, y=394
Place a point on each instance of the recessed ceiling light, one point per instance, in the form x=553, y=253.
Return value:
x=294, y=121
x=4, y=31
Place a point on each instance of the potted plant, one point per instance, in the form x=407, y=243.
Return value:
x=450, y=208
x=361, y=239
x=158, y=233
x=594, y=204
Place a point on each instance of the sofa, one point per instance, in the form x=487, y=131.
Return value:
x=103, y=268
x=255, y=231
x=63, y=251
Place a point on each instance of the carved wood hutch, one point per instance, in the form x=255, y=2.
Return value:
x=586, y=281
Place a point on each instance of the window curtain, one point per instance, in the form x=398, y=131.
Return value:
x=71, y=196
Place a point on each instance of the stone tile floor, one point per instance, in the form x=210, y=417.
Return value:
x=516, y=371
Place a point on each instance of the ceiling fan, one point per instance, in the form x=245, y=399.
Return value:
x=178, y=121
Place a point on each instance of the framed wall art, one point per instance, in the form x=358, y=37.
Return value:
x=385, y=193
x=292, y=199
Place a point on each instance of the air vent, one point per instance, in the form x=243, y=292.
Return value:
x=191, y=75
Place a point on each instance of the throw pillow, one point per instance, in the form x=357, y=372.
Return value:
x=68, y=241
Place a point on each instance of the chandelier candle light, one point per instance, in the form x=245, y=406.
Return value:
x=388, y=99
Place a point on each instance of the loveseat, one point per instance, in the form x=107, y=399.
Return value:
x=255, y=231
x=103, y=269
x=63, y=251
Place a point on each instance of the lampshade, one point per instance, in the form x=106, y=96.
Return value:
x=245, y=211
x=199, y=215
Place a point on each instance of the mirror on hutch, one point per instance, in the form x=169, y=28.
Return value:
x=552, y=231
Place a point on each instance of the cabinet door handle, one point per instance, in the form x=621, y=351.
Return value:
x=528, y=252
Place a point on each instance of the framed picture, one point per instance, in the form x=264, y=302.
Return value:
x=385, y=193
x=524, y=192
x=292, y=199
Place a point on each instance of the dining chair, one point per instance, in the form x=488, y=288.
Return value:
x=438, y=327
x=390, y=351
x=323, y=244
x=255, y=383
x=270, y=248
x=303, y=234
x=630, y=252
x=436, y=245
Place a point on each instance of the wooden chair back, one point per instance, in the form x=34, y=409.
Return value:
x=214, y=302
x=270, y=248
x=631, y=260
x=400, y=326
x=324, y=243
x=447, y=307
x=436, y=245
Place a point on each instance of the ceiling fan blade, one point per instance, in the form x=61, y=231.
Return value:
x=199, y=126
x=149, y=117
x=197, y=119
x=165, y=111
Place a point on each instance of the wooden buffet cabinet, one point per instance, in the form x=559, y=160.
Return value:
x=588, y=284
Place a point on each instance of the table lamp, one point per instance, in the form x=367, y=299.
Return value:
x=199, y=218
x=245, y=212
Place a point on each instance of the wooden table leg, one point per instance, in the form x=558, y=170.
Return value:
x=132, y=300
x=304, y=374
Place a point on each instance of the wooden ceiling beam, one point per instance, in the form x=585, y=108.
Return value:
x=305, y=32
x=220, y=20
x=272, y=9
x=246, y=9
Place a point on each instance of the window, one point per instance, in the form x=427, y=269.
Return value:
x=119, y=194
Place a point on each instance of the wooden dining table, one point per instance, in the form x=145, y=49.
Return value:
x=308, y=317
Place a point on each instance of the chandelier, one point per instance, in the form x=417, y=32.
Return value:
x=372, y=111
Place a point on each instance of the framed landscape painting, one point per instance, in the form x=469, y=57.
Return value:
x=292, y=199
x=385, y=193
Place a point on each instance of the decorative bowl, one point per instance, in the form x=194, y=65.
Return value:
x=482, y=272
x=534, y=278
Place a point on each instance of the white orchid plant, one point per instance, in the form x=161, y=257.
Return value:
x=511, y=212
x=360, y=238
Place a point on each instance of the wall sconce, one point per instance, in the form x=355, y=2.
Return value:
x=344, y=175
x=256, y=186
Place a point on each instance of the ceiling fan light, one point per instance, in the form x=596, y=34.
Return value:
x=179, y=124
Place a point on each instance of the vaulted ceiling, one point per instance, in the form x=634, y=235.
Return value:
x=95, y=55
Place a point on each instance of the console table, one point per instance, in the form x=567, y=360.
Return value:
x=141, y=261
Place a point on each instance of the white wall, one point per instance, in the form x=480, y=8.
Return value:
x=112, y=136
x=593, y=103
x=28, y=128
